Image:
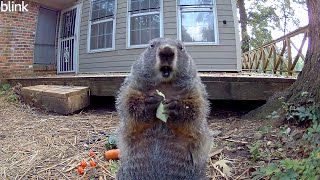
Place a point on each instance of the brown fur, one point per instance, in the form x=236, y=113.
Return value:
x=150, y=148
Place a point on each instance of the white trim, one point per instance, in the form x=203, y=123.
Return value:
x=160, y=12
x=77, y=45
x=236, y=29
x=114, y=19
x=216, y=70
x=178, y=17
x=201, y=44
x=215, y=24
x=138, y=46
x=145, y=14
x=76, y=39
x=101, y=50
x=102, y=21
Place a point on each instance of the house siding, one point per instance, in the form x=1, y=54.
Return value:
x=220, y=57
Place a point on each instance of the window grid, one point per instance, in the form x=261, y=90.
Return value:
x=146, y=15
x=105, y=22
x=204, y=7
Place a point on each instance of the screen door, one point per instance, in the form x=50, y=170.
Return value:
x=68, y=40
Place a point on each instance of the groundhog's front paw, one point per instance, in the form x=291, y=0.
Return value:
x=172, y=108
x=151, y=104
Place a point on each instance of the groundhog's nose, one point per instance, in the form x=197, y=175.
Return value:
x=166, y=53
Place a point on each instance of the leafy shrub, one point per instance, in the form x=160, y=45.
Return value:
x=304, y=169
x=307, y=113
x=254, y=151
x=6, y=90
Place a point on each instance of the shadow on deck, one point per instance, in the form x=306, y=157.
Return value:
x=220, y=86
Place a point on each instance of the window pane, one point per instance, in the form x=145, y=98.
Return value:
x=141, y=6
x=95, y=5
x=145, y=36
x=101, y=42
x=144, y=28
x=109, y=41
x=102, y=28
x=109, y=27
x=134, y=5
x=155, y=33
x=155, y=21
x=197, y=27
x=144, y=22
x=108, y=7
x=102, y=9
x=135, y=23
x=195, y=2
x=154, y=3
x=135, y=37
x=94, y=29
x=94, y=43
x=144, y=4
x=95, y=14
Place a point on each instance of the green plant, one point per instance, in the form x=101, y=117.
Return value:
x=114, y=167
x=111, y=143
x=6, y=90
x=5, y=87
x=264, y=129
x=304, y=112
x=313, y=134
x=254, y=151
x=12, y=97
x=304, y=169
x=273, y=115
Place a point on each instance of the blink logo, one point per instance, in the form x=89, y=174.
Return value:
x=12, y=6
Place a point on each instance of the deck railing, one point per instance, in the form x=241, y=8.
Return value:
x=281, y=56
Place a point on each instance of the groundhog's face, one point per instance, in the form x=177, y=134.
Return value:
x=169, y=57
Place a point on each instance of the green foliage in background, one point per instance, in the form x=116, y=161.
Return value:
x=306, y=113
x=6, y=90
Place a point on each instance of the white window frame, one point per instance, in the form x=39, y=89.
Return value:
x=114, y=18
x=215, y=24
x=129, y=15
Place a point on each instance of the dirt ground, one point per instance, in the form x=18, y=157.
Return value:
x=35, y=144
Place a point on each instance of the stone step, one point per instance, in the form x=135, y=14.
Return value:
x=61, y=99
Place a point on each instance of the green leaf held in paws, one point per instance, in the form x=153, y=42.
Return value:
x=160, y=110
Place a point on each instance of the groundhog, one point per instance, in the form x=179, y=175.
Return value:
x=151, y=149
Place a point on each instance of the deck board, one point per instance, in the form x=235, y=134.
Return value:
x=220, y=86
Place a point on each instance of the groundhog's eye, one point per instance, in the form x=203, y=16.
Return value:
x=181, y=48
x=151, y=45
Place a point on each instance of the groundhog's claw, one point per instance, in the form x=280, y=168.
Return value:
x=151, y=104
x=172, y=109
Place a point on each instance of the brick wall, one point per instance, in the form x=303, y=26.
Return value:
x=17, y=39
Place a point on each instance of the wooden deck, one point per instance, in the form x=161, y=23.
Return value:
x=220, y=86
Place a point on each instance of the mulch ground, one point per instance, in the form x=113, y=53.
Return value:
x=35, y=144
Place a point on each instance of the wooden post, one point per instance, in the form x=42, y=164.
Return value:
x=289, y=57
x=274, y=60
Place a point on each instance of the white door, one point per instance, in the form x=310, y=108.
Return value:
x=68, y=40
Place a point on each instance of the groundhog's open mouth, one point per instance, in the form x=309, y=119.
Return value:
x=166, y=71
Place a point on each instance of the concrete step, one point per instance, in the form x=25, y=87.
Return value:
x=61, y=99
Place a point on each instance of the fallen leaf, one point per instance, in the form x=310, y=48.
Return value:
x=223, y=164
